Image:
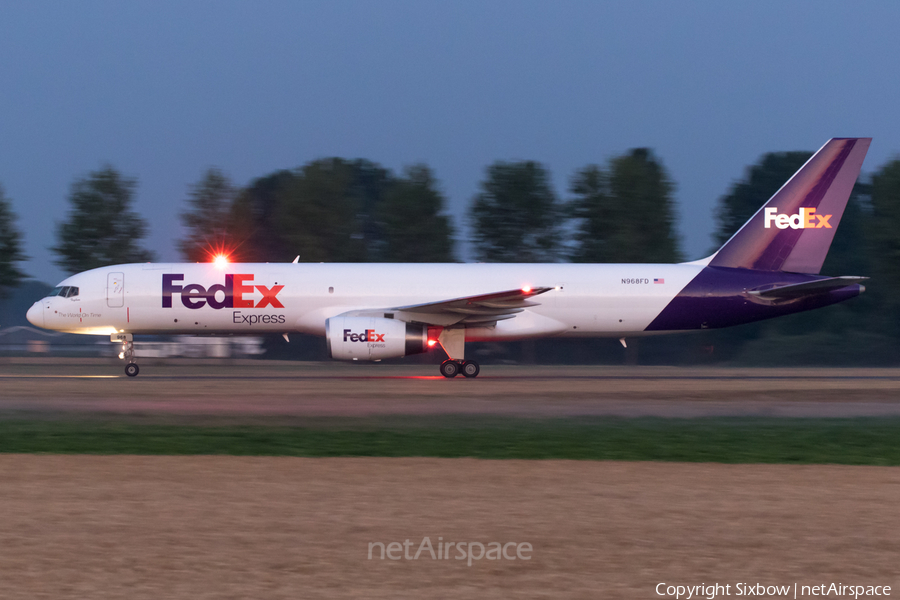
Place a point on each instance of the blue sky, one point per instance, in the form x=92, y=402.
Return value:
x=164, y=90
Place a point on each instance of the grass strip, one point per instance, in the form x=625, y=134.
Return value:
x=860, y=441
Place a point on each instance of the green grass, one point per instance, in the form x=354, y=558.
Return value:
x=862, y=441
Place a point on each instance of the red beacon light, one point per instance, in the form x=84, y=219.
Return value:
x=221, y=261
x=527, y=289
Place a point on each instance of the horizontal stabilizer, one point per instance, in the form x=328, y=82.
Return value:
x=799, y=290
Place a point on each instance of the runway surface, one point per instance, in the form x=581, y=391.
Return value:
x=279, y=389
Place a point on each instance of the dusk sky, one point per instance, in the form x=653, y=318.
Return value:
x=164, y=90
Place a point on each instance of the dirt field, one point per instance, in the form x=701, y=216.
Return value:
x=220, y=527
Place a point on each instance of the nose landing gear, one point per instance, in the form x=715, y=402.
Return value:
x=127, y=353
x=131, y=369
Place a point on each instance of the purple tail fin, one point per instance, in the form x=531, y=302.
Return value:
x=794, y=229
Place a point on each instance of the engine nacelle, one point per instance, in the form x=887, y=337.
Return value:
x=373, y=338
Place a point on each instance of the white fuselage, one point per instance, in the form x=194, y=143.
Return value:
x=587, y=300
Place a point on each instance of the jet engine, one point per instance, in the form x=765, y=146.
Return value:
x=373, y=338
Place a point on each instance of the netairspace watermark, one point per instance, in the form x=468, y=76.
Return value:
x=441, y=550
x=795, y=590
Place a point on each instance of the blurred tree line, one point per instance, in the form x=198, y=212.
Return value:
x=10, y=248
x=338, y=210
x=329, y=210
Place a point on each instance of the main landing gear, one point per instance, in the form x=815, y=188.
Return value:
x=453, y=341
x=451, y=368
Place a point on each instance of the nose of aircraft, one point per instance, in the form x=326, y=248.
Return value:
x=35, y=314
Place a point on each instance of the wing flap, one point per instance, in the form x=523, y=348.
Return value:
x=509, y=299
x=481, y=309
x=522, y=304
x=484, y=311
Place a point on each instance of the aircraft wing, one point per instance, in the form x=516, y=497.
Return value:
x=798, y=290
x=482, y=309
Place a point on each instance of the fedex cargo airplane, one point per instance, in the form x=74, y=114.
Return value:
x=769, y=268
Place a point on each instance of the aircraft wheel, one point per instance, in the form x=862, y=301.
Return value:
x=449, y=368
x=470, y=368
x=131, y=369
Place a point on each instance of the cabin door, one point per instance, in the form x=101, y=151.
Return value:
x=115, y=290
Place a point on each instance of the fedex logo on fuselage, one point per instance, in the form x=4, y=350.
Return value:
x=368, y=336
x=805, y=219
x=234, y=289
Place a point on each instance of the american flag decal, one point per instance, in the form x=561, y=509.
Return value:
x=659, y=281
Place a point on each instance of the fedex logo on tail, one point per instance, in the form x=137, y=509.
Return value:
x=234, y=289
x=805, y=219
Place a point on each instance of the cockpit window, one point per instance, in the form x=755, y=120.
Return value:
x=64, y=291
